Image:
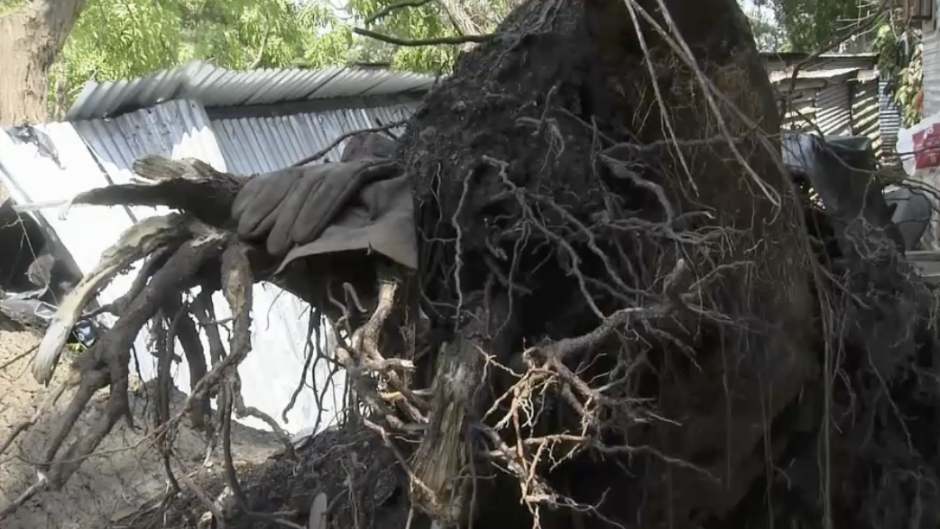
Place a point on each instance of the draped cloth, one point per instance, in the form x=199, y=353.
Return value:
x=361, y=203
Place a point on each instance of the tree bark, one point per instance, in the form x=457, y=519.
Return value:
x=462, y=21
x=31, y=37
x=460, y=17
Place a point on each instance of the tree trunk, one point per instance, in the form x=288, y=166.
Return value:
x=31, y=37
x=460, y=17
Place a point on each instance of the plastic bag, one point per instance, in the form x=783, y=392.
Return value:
x=919, y=146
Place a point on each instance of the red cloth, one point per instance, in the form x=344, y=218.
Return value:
x=927, y=147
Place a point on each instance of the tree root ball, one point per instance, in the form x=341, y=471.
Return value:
x=577, y=166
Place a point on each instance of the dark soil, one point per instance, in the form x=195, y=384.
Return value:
x=364, y=487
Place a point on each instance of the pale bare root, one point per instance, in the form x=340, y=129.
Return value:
x=139, y=241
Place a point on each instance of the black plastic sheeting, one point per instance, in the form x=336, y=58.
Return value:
x=840, y=169
x=911, y=213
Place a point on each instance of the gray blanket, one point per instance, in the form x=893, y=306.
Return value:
x=362, y=203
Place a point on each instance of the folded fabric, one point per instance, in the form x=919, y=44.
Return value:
x=361, y=203
x=362, y=146
x=380, y=220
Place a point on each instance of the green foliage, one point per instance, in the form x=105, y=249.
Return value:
x=901, y=63
x=768, y=34
x=814, y=24
x=811, y=25
x=118, y=39
x=910, y=84
x=428, y=21
x=7, y=5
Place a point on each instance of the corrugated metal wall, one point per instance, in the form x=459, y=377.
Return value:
x=834, y=112
x=890, y=118
x=799, y=110
x=180, y=129
x=865, y=113
x=177, y=129
x=931, y=83
x=842, y=108
x=263, y=144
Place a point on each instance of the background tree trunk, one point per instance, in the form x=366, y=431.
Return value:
x=31, y=37
x=460, y=17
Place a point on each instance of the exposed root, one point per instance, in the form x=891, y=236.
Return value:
x=177, y=248
x=439, y=484
x=107, y=361
x=187, y=185
x=237, y=283
x=140, y=240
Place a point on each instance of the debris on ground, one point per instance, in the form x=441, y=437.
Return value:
x=127, y=472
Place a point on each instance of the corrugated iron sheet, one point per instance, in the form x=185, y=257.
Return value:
x=799, y=111
x=834, y=114
x=217, y=87
x=867, y=75
x=827, y=74
x=889, y=117
x=931, y=82
x=847, y=106
x=865, y=114
x=782, y=61
x=258, y=145
x=177, y=129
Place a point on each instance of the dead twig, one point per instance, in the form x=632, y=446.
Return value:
x=439, y=41
x=201, y=496
x=389, y=9
x=326, y=150
x=17, y=358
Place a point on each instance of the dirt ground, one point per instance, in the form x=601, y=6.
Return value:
x=364, y=487
x=128, y=472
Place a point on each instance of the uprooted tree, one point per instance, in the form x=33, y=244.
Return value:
x=628, y=320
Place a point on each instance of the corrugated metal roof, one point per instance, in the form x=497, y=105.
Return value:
x=798, y=110
x=782, y=75
x=263, y=144
x=218, y=87
x=865, y=76
x=775, y=62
